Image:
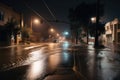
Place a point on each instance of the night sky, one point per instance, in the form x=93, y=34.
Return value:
x=60, y=9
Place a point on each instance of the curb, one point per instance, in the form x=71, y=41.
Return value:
x=17, y=45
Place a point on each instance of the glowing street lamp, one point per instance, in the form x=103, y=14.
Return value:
x=52, y=30
x=93, y=19
x=66, y=33
x=34, y=21
x=58, y=35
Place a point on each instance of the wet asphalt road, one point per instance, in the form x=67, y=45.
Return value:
x=55, y=61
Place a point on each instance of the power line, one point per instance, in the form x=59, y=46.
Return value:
x=48, y=21
x=36, y=13
x=49, y=10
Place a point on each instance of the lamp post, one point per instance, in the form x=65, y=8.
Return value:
x=93, y=20
x=35, y=21
x=51, y=34
x=52, y=31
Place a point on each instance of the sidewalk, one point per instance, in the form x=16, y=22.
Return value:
x=112, y=46
x=104, y=61
x=14, y=45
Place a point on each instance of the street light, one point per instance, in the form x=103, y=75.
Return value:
x=51, y=35
x=58, y=35
x=66, y=33
x=35, y=21
x=52, y=30
x=93, y=19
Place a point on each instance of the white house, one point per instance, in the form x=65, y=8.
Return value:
x=112, y=31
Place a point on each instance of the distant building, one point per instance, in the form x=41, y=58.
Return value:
x=7, y=13
x=112, y=31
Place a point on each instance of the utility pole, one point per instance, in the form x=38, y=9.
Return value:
x=97, y=23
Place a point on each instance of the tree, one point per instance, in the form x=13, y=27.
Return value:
x=80, y=17
x=101, y=29
x=25, y=34
x=12, y=28
x=4, y=37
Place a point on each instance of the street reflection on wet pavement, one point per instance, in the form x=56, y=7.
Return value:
x=99, y=64
x=12, y=57
x=56, y=61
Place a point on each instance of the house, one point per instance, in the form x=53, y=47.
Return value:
x=112, y=31
x=7, y=13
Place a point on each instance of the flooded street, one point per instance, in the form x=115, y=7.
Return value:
x=53, y=61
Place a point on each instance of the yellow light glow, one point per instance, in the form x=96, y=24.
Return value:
x=36, y=69
x=54, y=60
x=52, y=30
x=93, y=19
x=36, y=21
x=58, y=34
x=37, y=66
x=51, y=45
